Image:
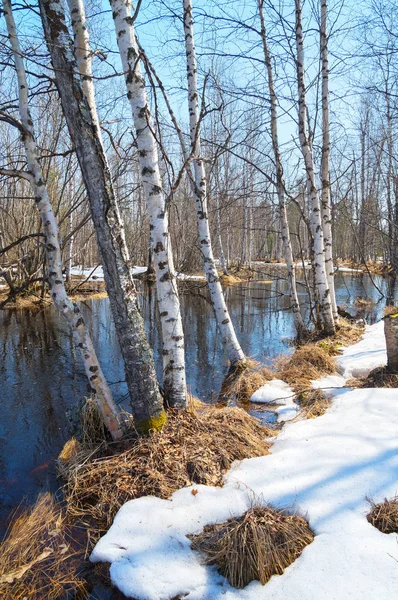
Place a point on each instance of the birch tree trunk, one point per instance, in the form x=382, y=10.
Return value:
x=69, y=310
x=167, y=291
x=285, y=232
x=325, y=165
x=321, y=282
x=229, y=339
x=146, y=401
x=69, y=249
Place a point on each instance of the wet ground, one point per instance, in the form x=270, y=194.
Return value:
x=42, y=381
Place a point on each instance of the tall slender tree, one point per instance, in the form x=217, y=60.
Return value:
x=166, y=285
x=145, y=397
x=224, y=323
x=325, y=163
x=70, y=311
x=280, y=185
x=321, y=282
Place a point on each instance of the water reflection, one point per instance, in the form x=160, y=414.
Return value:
x=42, y=378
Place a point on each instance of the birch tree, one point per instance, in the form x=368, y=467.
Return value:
x=321, y=282
x=166, y=285
x=224, y=323
x=70, y=311
x=146, y=400
x=280, y=185
x=325, y=164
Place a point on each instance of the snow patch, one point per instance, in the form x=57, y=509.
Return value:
x=325, y=466
x=369, y=353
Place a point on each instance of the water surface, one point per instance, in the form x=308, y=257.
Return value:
x=42, y=380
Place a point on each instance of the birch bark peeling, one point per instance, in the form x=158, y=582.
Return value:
x=224, y=323
x=145, y=398
x=167, y=292
x=69, y=310
x=321, y=281
x=325, y=164
x=287, y=246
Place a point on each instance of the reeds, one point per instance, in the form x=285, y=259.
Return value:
x=259, y=544
x=38, y=557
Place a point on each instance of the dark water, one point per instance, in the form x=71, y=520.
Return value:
x=42, y=380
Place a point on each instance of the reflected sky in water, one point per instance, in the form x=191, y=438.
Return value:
x=42, y=380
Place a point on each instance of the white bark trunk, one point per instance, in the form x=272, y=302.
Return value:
x=69, y=310
x=146, y=401
x=316, y=219
x=325, y=167
x=69, y=249
x=229, y=339
x=167, y=292
x=285, y=232
x=83, y=55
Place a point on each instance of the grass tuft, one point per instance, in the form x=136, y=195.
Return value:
x=314, y=403
x=378, y=378
x=259, y=544
x=308, y=362
x=384, y=516
x=241, y=382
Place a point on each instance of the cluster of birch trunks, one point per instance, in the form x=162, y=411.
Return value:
x=72, y=64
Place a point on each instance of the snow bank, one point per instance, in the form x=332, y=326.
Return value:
x=370, y=352
x=97, y=273
x=326, y=466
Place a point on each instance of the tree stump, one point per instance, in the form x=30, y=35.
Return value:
x=391, y=333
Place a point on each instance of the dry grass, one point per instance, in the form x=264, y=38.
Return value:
x=255, y=546
x=241, y=383
x=364, y=302
x=38, y=558
x=190, y=449
x=230, y=280
x=378, y=378
x=307, y=363
x=390, y=311
x=314, y=403
x=384, y=516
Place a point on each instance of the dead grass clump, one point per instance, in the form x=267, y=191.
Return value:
x=314, y=403
x=241, y=383
x=307, y=363
x=390, y=311
x=94, y=431
x=190, y=449
x=364, y=302
x=230, y=280
x=378, y=378
x=38, y=558
x=255, y=546
x=384, y=516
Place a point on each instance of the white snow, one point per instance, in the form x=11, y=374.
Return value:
x=184, y=276
x=97, y=273
x=277, y=392
x=325, y=466
x=348, y=270
x=370, y=352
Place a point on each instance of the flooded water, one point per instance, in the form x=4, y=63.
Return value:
x=42, y=380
